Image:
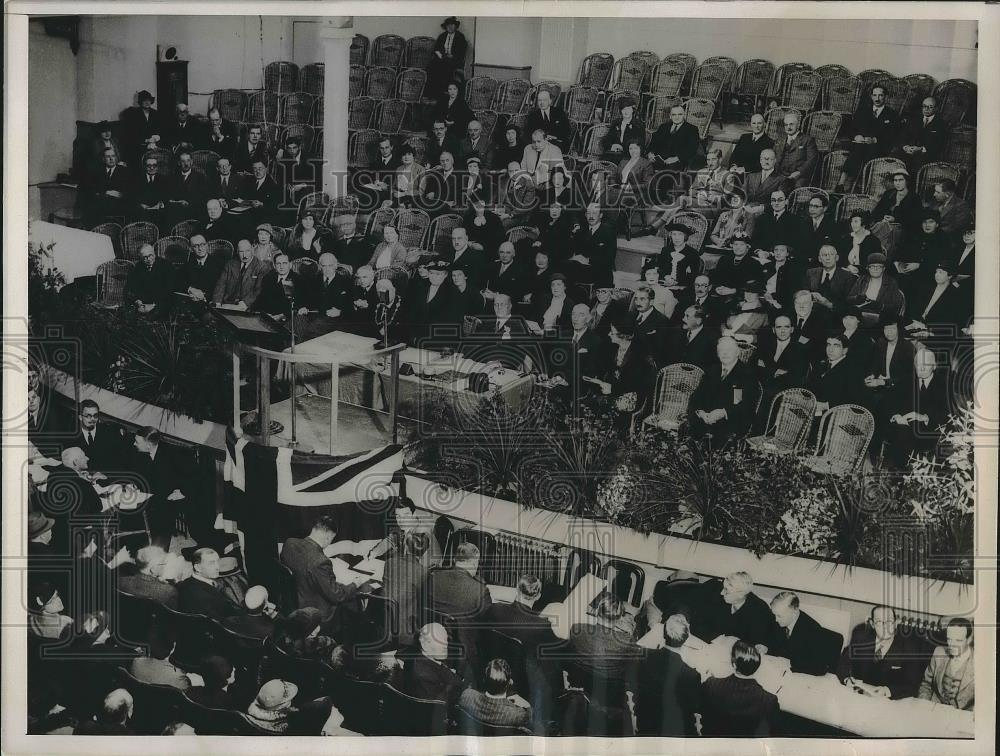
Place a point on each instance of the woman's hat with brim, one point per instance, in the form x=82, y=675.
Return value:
x=450, y=20
x=228, y=566
x=900, y=172
x=39, y=524
x=276, y=694
x=876, y=258
x=675, y=226
x=266, y=227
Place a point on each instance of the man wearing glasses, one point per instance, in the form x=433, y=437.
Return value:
x=103, y=444
x=779, y=226
x=151, y=192
x=201, y=272
x=820, y=228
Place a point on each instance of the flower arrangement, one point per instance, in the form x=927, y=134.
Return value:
x=809, y=525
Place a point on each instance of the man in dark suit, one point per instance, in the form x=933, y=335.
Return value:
x=241, y=279
x=103, y=444
x=829, y=284
x=200, y=593
x=876, y=130
x=924, y=138
x=596, y=246
x=917, y=411
x=249, y=150
x=108, y=190
x=226, y=186
x=820, y=228
x=313, y=572
x=809, y=647
x=280, y=287
x=140, y=125
x=165, y=479
x=779, y=226
x=504, y=276
x=669, y=689
x=746, y=154
x=297, y=175
x=652, y=329
x=700, y=294
x=759, y=185
x=836, y=380
x=430, y=302
x=263, y=193
x=73, y=482
x=330, y=298
x=150, y=194
x=810, y=325
x=887, y=661
x=189, y=190
x=697, y=341
x=439, y=142
x=457, y=591
x=474, y=143
x=587, y=353
x=675, y=144
x=199, y=275
x=150, y=284
x=550, y=119
x=463, y=255
x=220, y=225
x=183, y=130
x=221, y=136
x=427, y=674
x=782, y=362
x=258, y=616
x=146, y=583
x=352, y=249
x=796, y=154
x=732, y=608
x=725, y=402
x=737, y=706
x=520, y=619
x=504, y=337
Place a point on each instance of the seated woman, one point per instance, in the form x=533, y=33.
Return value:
x=496, y=704
x=310, y=238
x=858, y=243
x=555, y=234
x=409, y=175
x=390, y=257
x=783, y=276
x=624, y=129
x=265, y=248
x=510, y=151
x=679, y=262
x=299, y=635
x=559, y=190
x=552, y=311
x=663, y=297
x=454, y=111
x=632, y=374
x=634, y=171
x=749, y=315
x=899, y=204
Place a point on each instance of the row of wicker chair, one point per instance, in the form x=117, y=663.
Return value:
x=285, y=109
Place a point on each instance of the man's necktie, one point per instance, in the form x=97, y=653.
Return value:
x=878, y=653
x=90, y=438
x=690, y=336
x=673, y=129
x=788, y=632
x=109, y=173
x=801, y=323
x=926, y=121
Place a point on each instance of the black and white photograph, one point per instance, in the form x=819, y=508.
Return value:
x=504, y=378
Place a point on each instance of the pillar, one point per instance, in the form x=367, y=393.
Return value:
x=562, y=46
x=335, y=36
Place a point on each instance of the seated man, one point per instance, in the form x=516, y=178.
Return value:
x=441, y=186
x=476, y=144
x=227, y=188
x=652, y=330
x=504, y=276
x=675, y=143
x=796, y=154
x=882, y=660
x=484, y=227
x=782, y=362
x=107, y=192
x=201, y=593
x=761, y=184
x=596, y=246
x=746, y=154
x=147, y=583
x=427, y=674
x=836, y=380
x=183, y=130
x=830, y=285
x=440, y=141
x=779, y=226
x=917, y=410
x=737, y=706
x=329, y=297
x=956, y=216
x=506, y=335
x=540, y=157
x=241, y=279
x=114, y=718
x=809, y=647
x=520, y=619
x=150, y=284
x=496, y=704
x=516, y=196
x=697, y=344
x=250, y=150
x=602, y=649
x=263, y=193
x=199, y=275
x=550, y=119
x=221, y=136
x=156, y=668
x=150, y=194
x=876, y=129
x=457, y=590
x=669, y=689
x=725, y=402
x=257, y=620
x=950, y=677
x=924, y=138
x=733, y=609
x=190, y=188
x=281, y=289
x=101, y=442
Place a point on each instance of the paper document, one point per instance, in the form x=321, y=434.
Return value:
x=374, y=569
x=502, y=593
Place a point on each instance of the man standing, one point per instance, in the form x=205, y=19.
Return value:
x=102, y=443
x=809, y=647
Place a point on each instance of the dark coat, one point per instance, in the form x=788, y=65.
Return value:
x=521, y=622
x=900, y=670
x=137, y=128
x=457, y=593
x=511, y=281
x=225, y=144
x=952, y=308
x=273, y=299
x=338, y=293
x=840, y=384
x=736, y=707
x=933, y=137
x=191, y=132
x=557, y=127
x=900, y=366
x=905, y=211
x=801, y=155
x=458, y=113
x=196, y=597
x=200, y=275
x=746, y=153
x=668, y=696
x=151, y=285
x=687, y=267
x=235, y=188
x=313, y=573
x=735, y=274
x=753, y=622
x=758, y=189
x=244, y=157
x=601, y=248
x=811, y=648
x=794, y=360
x=683, y=145
x=149, y=193
x=737, y=393
x=634, y=131
x=431, y=680
x=812, y=238
x=147, y=586
x=432, y=156
x=769, y=230
x=700, y=351
x=652, y=335
x=836, y=289
x=109, y=453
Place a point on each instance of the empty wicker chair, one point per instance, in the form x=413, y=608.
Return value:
x=833, y=71
x=956, y=99
x=689, y=61
x=802, y=90
x=517, y=233
x=389, y=115
x=780, y=77
x=931, y=173
x=186, y=229
x=410, y=84
x=317, y=117
x=412, y=226
x=823, y=126
x=708, y=81
x=729, y=66
x=869, y=75
x=174, y=249
x=750, y=84
x=666, y=78
x=439, y=239
x=831, y=167
x=387, y=50
x=510, y=96
x=897, y=92
x=111, y=277
x=699, y=112
x=359, y=50
x=593, y=140
x=379, y=220
x=841, y=94
x=356, y=81
x=359, y=113
x=890, y=236
x=647, y=57
x=232, y=103
x=480, y=91
x=674, y=386
x=318, y=143
x=774, y=121
x=361, y=148
x=345, y=206
x=595, y=70
x=135, y=235
x=629, y=73
x=488, y=120
x=788, y=422
x=581, y=102
x=221, y=248
x=594, y=166
x=698, y=224
x=281, y=76
x=312, y=78
x=844, y=434
x=851, y=202
x=296, y=108
x=960, y=149
x=205, y=161
x=112, y=231
x=380, y=82
x=264, y=106
x=877, y=173
x=798, y=200
x=419, y=52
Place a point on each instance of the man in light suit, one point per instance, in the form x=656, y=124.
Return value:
x=796, y=154
x=241, y=279
x=540, y=157
x=950, y=677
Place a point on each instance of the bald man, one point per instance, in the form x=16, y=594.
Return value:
x=150, y=283
x=725, y=402
x=917, y=410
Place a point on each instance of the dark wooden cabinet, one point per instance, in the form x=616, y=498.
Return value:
x=171, y=85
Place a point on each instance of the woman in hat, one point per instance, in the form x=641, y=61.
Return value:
x=453, y=110
x=748, y=315
x=299, y=635
x=628, y=127
x=141, y=125
x=924, y=249
x=390, y=257
x=898, y=203
x=678, y=262
x=448, y=62
x=537, y=284
x=264, y=248
x=105, y=141
x=273, y=706
x=310, y=238
x=631, y=371
x=874, y=291
x=964, y=256
x=553, y=310
x=858, y=243
x=409, y=175
x=783, y=276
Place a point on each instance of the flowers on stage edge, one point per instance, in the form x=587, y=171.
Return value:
x=809, y=525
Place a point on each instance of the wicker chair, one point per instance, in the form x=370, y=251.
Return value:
x=312, y=78
x=318, y=143
x=629, y=73
x=802, y=89
x=317, y=202
x=674, y=386
x=699, y=112
x=419, y=52
x=135, y=235
x=480, y=91
x=647, y=57
x=552, y=87
x=221, y=248
x=890, y=235
x=379, y=220
x=851, y=202
x=517, y=233
x=389, y=115
x=788, y=423
x=897, y=91
x=613, y=104
x=361, y=148
x=359, y=113
x=729, y=64
x=780, y=77
x=774, y=121
x=877, y=173
x=303, y=131
x=833, y=71
x=593, y=140
x=870, y=75
x=823, y=126
x=488, y=120
x=186, y=228
x=510, y=96
x=410, y=84
x=206, y=161
x=750, y=82
x=356, y=81
x=658, y=112
x=439, y=236
x=359, y=50
x=281, y=77
x=412, y=225
x=931, y=173
x=708, y=81
x=296, y=108
x=694, y=220
x=232, y=103
x=921, y=87
x=830, y=168
x=690, y=63
x=174, y=249
x=841, y=94
x=666, y=79
x=956, y=98
x=581, y=102
x=345, y=206
x=380, y=82
x=623, y=296
x=316, y=117
x=263, y=106
x=595, y=70
x=844, y=434
x=798, y=200
x=968, y=188
x=961, y=148
x=111, y=277
x=388, y=50
x=305, y=267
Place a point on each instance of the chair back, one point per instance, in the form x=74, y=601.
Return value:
x=708, y=80
x=616, y=100
x=296, y=107
x=961, y=148
x=698, y=224
x=823, y=126
x=174, y=249
x=593, y=140
x=581, y=101
x=674, y=386
x=410, y=84
x=359, y=113
x=359, y=50
x=595, y=70
x=851, y=202
x=833, y=70
x=186, y=228
x=312, y=78
x=112, y=231
x=135, y=235
x=869, y=75
x=728, y=65
x=263, y=106
x=552, y=87
x=419, y=144
x=658, y=111
x=440, y=232
x=780, y=77
x=280, y=583
x=802, y=89
x=798, y=200
x=388, y=50
x=790, y=418
x=844, y=434
x=517, y=233
x=830, y=167
x=361, y=146
x=414, y=717
x=208, y=721
x=356, y=81
x=222, y=247
x=281, y=76
x=840, y=94
x=382, y=616
x=232, y=103
x=316, y=202
x=389, y=115
x=625, y=580
x=344, y=206
x=380, y=81
x=689, y=62
x=774, y=120
x=361, y=702
x=629, y=73
x=753, y=76
x=510, y=96
x=469, y=324
x=666, y=78
x=931, y=173
x=305, y=267
x=468, y=724
x=379, y=220
x=206, y=161
x=419, y=52
x=488, y=120
x=921, y=87
x=699, y=112
x=480, y=91
x=412, y=225
x=876, y=176
x=245, y=652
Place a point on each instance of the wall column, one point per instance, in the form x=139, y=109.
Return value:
x=335, y=35
x=561, y=47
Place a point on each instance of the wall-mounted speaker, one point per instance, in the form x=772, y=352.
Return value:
x=167, y=53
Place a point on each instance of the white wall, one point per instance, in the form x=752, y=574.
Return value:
x=509, y=42
x=52, y=104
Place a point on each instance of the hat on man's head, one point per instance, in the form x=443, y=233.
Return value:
x=276, y=694
x=675, y=226
x=450, y=20
x=144, y=95
x=38, y=524
x=876, y=258
x=740, y=235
